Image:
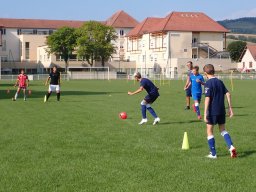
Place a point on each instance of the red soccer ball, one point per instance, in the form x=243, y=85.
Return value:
x=123, y=115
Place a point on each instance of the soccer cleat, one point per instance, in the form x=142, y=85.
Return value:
x=187, y=108
x=232, y=151
x=199, y=117
x=194, y=108
x=210, y=156
x=157, y=120
x=13, y=99
x=45, y=98
x=143, y=121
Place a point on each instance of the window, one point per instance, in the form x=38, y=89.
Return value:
x=194, y=56
x=4, y=45
x=243, y=64
x=121, y=32
x=3, y=31
x=4, y=58
x=26, y=50
x=185, y=50
x=250, y=64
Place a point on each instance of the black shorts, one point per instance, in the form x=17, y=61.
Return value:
x=216, y=119
x=188, y=92
x=151, y=98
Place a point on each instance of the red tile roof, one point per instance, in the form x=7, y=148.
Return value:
x=252, y=49
x=38, y=23
x=189, y=21
x=121, y=20
x=145, y=26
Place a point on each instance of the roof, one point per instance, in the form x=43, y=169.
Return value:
x=252, y=49
x=189, y=21
x=145, y=26
x=38, y=23
x=121, y=20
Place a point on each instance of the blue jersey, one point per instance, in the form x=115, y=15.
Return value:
x=196, y=86
x=216, y=90
x=149, y=87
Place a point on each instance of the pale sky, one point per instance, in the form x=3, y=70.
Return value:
x=139, y=9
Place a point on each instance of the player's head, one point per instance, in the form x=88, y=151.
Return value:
x=54, y=69
x=22, y=71
x=195, y=70
x=209, y=69
x=190, y=65
x=137, y=76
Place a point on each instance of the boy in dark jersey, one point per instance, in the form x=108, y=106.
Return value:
x=214, y=112
x=54, y=76
x=153, y=94
x=187, y=86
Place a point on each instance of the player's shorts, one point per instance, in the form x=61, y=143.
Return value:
x=188, y=92
x=216, y=119
x=197, y=96
x=55, y=88
x=23, y=87
x=151, y=98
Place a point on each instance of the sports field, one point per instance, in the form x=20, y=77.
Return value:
x=80, y=144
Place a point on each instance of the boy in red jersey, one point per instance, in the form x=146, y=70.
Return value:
x=22, y=82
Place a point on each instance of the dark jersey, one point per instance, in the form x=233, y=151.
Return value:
x=216, y=90
x=54, y=78
x=149, y=87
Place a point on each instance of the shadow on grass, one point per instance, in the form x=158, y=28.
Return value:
x=180, y=122
x=246, y=153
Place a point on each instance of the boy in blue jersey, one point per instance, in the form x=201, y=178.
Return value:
x=153, y=94
x=187, y=88
x=214, y=112
x=196, y=81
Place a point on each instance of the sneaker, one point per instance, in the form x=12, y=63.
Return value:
x=13, y=99
x=210, y=156
x=143, y=121
x=157, y=120
x=194, y=108
x=187, y=108
x=45, y=98
x=199, y=117
x=232, y=151
x=25, y=99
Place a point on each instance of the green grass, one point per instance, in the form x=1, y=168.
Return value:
x=80, y=144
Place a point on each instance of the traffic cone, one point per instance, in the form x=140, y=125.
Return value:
x=185, y=145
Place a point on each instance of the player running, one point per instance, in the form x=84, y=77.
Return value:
x=54, y=76
x=153, y=94
x=214, y=112
x=196, y=82
x=22, y=82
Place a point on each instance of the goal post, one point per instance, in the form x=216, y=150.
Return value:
x=100, y=73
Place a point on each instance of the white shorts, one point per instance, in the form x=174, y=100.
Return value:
x=55, y=88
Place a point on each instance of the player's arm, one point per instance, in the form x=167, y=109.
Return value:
x=187, y=83
x=230, y=110
x=59, y=80
x=47, y=80
x=201, y=81
x=16, y=83
x=206, y=106
x=137, y=91
x=27, y=82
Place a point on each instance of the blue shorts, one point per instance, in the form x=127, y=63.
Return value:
x=197, y=96
x=216, y=119
x=188, y=92
x=151, y=98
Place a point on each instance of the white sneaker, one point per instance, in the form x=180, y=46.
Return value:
x=143, y=121
x=157, y=120
x=45, y=98
x=211, y=156
x=232, y=151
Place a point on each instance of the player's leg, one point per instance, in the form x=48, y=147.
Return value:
x=24, y=93
x=151, y=110
x=49, y=92
x=188, y=95
x=197, y=103
x=210, y=137
x=143, y=112
x=227, y=139
x=16, y=94
x=58, y=92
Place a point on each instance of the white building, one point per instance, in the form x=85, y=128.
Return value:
x=248, y=58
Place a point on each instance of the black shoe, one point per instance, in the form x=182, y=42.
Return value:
x=187, y=108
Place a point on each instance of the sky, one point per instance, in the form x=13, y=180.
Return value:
x=101, y=10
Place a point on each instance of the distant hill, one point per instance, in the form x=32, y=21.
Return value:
x=246, y=25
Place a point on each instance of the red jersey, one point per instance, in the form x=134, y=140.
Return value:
x=22, y=80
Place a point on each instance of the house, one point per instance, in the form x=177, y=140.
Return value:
x=248, y=59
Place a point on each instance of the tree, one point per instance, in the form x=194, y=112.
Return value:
x=62, y=42
x=94, y=42
x=236, y=48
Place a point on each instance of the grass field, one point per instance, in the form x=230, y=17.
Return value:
x=80, y=144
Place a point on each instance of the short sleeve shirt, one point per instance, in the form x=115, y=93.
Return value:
x=196, y=86
x=22, y=80
x=149, y=87
x=216, y=90
x=54, y=78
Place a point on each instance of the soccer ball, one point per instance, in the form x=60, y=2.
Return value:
x=123, y=115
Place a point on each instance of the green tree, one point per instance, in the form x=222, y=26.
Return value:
x=94, y=42
x=235, y=49
x=63, y=43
